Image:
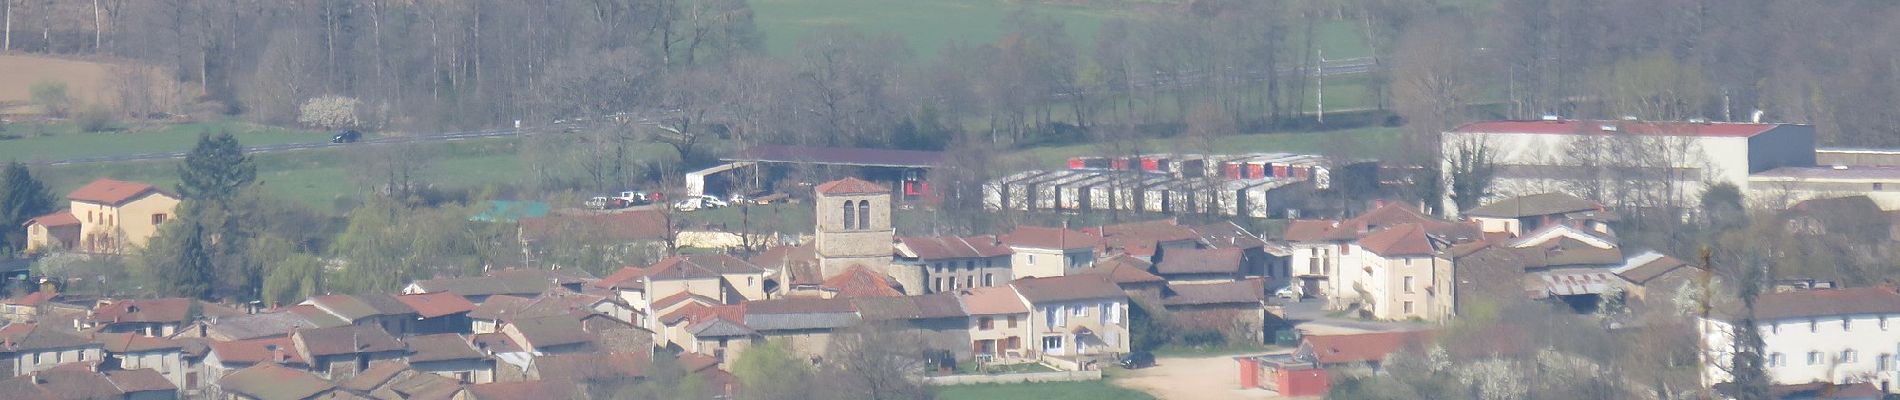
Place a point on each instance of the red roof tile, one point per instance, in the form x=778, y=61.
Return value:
x=257, y=350
x=139, y=380
x=1051, y=238
x=1141, y=238
x=1307, y=230
x=858, y=281
x=542, y=389
x=700, y=266
x=144, y=310
x=1595, y=127
x=110, y=192
x=34, y=299
x=850, y=185
x=57, y=218
x=1124, y=269
x=1379, y=218
x=627, y=277
x=1399, y=241
x=1362, y=347
x=675, y=298
x=133, y=343
x=992, y=300
x=431, y=305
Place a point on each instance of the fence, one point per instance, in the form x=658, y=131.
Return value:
x=1058, y=376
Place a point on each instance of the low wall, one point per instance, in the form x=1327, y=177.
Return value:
x=1058, y=376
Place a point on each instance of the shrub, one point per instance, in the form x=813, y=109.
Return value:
x=52, y=96
x=1203, y=338
x=95, y=118
x=329, y=112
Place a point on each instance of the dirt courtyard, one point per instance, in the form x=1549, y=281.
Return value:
x=1216, y=377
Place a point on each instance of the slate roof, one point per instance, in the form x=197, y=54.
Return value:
x=849, y=186
x=111, y=192
x=1554, y=203
x=551, y=331
x=930, y=306
x=440, y=347
x=799, y=313
x=268, y=381
x=935, y=248
x=995, y=300
x=858, y=281
x=1199, y=261
x=1827, y=302
x=1037, y=237
x=432, y=305
x=1245, y=291
x=27, y=336
x=1124, y=269
x=1361, y=347
x=350, y=339
x=1067, y=288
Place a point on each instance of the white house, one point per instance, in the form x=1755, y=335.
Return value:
x=1828, y=335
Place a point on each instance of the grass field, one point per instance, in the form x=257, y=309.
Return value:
x=1370, y=139
x=1086, y=390
x=929, y=24
x=88, y=82
x=62, y=140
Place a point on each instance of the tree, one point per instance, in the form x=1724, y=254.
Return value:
x=329, y=112
x=53, y=97
x=770, y=371
x=22, y=197
x=1746, y=368
x=1469, y=172
x=215, y=170
x=176, y=262
x=875, y=362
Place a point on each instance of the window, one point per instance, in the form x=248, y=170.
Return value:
x=953, y=284
x=1345, y=250
x=1847, y=324
x=1013, y=342
x=1814, y=358
x=989, y=280
x=89, y=217
x=158, y=219
x=1883, y=362
x=940, y=284
x=1883, y=322
x=864, y=214
x=1408, y=285
x=1049, y=316
x=36, y=358
x=1879, y=186
x=985, y=323
x=1775, y=360
x=1113, y=311
x=1080, y=311
x=969, y=281
x=1012, y=321
x=850, y=219
x=1408, y=307
x=1032, y=258
x=1051, y=343
x=749, y=281
x=1774, y=328
x=1813, y=325
x=1850, y=356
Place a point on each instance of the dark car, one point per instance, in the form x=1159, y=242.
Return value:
x=1138, y=360
x=348, y=136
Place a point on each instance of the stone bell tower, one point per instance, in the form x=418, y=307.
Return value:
x=854, y=227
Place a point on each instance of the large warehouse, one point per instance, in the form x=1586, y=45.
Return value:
x=1553, y=155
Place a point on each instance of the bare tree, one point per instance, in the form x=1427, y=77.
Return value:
x=875, y=362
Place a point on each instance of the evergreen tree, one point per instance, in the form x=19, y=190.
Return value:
x=176, y=262
x=22, y=197
x=216, y=169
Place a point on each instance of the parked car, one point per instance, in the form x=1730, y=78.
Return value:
x=599, y=202
x=691, y=203
x=347, y=136
x=1290, y=293
x=631, y=198
x=1138, y=360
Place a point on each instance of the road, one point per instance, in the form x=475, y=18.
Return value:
x=1309, y=317
x=274, y=148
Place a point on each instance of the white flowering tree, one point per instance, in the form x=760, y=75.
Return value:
x=329, y=112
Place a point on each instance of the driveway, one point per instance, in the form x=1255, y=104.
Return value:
x=1309, y=316
x=1216, y=377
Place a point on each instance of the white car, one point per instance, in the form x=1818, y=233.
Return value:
x=1289, y=293
x=691, y=203
x=598, y=202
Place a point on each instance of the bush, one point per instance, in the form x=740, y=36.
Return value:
x=96, y=118
x=329, y=112
x=1202, y=338
x=52, y=96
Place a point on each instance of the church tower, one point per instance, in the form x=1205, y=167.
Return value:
x=854, y=228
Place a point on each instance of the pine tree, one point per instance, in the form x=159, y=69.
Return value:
x=177, y=262
x=1746, y=366
x=215, y=170
x=22, y=197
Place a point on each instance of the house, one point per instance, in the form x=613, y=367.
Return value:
x=1522, y=214
x=554, y=334
x=149, y=317
x=998, y=323
x=341, y=352
x=1075, y=319
x=510, y=281
x=1144, y=239
x=591, y=368
x=1653, y=273
x=226, y=357
x=164, y=357
x=105, y=216
x=951, y=262
x=26, y=348
x=1313, y=256
x=721, y=277
x=449, y=355
x=1259, y=258
x=1556, y=262
x=382, y=310
x=262, y=325
x=1359, y=350
x=804, y=324
x=1047, y=252
x=1402, y=275
x=937, y=321
x=716, y=331
x=1818, y=335
x=1330, y=248
x=27, y=307
x=69, y=382
x=273, y=382
x=440, y=312
x=1132, y=275
x=1189, y=264
x=396, y=380
x=1236, y=309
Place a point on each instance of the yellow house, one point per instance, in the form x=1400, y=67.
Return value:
x=106, y=216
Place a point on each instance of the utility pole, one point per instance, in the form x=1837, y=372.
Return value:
x=1319, y=74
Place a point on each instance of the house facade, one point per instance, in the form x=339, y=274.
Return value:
x=1075, y=319
x=1821, y=335
x=105, y=216
x=951, y=263
x=1047, y=252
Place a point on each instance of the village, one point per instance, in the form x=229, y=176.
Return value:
x=1305, y=306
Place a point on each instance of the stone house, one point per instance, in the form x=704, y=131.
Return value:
x=951, y=262
x=997, y=324
x=1077, y=319
x=1236, y=309
x=1047, y=252
x=27, y=348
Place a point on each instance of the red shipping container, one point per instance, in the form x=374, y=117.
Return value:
x=1118, y=164
x=1279, y=171
x=1249, y=373
x=1150, y=164
x=1232, y=170
x=1256, y=171
x=1305, y=382
x=1077, y=163
x=1301, y=172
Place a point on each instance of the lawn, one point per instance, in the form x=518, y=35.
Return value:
x=57, y=141
x=927, y=25
x=1304, y=142
x=1084, y=390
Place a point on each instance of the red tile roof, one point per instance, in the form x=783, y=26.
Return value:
x=170, y=310
x=591, y=366
x=1141, y=238
x=627, y=277
x=932, y=248
x=1827, y=302
x=1362, y=347
x=993, y=300
x=139, y=380
x=1595, y=127
x=1251, y=291
x=669, y=301
x=1199, y=261
x=1404, y=240
x=258, y=350
x=542, y=389
x=849, y=186
x=700, y=267
x=270, y=381
x=57, y=218
x=1051, y=238
x=133, y=343
x=858, y=281
x=431, y=305
x=1379, y=218
x=110, y=192
x=1124, y=269
x=441, y=347
x=34, y=299
x=1067, y=288
x=348, y=339
x=1307, y=230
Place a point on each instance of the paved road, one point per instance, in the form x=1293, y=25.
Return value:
x=1309, y=316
